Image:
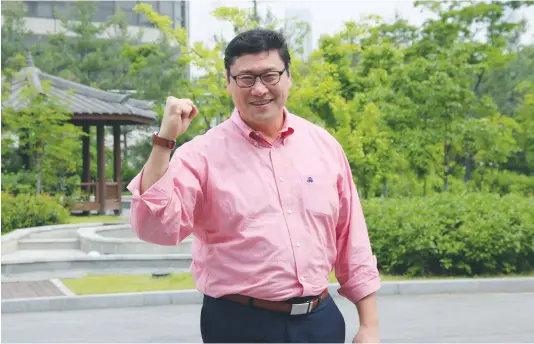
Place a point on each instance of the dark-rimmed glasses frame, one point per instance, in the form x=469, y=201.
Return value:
x=276, y=74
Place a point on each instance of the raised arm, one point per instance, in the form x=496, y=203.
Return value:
x=167, y=196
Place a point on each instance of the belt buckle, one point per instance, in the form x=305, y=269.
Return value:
x=300, y=308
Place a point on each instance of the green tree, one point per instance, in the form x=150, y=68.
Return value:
x=80, y=53
x=208, y=90
x=14, y=38
x=40, y=131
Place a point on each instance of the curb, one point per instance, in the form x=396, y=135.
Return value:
x=173, y=262
x=181, y=297
x=62, y=288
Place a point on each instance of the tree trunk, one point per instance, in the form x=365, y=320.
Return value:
x=364, y=191
x=38, y=176
x=468, y=167
x=62, y=183
x=385, y=188
x=256, y=18
x=446, y=149
x=25, y=150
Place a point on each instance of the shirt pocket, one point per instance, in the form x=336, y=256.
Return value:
x=319, y=194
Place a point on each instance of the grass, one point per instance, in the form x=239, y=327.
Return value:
x=110, y=284
x=104, y=284
x=93, y=218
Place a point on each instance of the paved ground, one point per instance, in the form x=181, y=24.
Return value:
x=497, y=318
x=26, y=289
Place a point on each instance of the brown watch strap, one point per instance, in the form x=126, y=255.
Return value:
x=160, y=141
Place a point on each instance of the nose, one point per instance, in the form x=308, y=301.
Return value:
x=259, y=88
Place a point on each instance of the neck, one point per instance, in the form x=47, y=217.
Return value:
x=269, y=128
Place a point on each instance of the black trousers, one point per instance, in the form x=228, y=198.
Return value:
x=224, y=321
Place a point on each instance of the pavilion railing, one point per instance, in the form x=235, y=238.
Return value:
x=90, y=198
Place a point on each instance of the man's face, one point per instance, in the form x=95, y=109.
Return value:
x=262, y=101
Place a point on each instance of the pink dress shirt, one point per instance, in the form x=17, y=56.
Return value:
x=268, y=221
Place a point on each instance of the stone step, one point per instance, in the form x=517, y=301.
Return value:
x=49, y=244
x=71, y=233
x=61, y=261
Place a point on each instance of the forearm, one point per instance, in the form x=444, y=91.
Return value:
x=155, y=168
x=368, y=311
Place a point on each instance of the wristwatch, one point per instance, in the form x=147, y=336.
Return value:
x=160, y=141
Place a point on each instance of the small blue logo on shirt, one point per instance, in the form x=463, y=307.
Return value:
x=310, y=180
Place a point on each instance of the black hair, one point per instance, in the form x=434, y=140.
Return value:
x=256, y=41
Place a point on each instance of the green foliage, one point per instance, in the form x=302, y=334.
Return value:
x=78, y=53
x=444, y=107
x=40, y=132
x=452, y=235
x=22, y=182
x=208, y=91
x=407, y=101
x=504, y=182
x=26, y=210
x=14, y=35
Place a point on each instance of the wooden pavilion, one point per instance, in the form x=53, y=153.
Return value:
x=91, y=107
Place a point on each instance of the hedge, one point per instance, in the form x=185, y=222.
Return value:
x=440, y=235
x=28, y=210
x=452, y=235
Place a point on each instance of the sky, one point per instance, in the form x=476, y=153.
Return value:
x=327, y=17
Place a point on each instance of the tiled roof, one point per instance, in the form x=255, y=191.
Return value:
x=79, y=99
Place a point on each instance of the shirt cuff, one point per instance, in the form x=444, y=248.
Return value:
x=361, y=286
x=157, y=196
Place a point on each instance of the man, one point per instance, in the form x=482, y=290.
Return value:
x=271, y=204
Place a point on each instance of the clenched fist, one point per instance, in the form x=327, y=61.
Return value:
x=177, y=116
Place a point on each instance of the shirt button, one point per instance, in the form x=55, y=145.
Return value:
x=289, y=211
x=298, y=244
x=281, y=179
x=305, y=277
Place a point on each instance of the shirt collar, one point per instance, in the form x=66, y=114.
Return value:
x=287, y=128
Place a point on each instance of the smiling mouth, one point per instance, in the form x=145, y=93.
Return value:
x=263, y=102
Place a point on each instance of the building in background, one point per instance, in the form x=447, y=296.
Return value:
x=42, y=17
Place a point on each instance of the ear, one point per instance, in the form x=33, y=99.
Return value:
x=227, y=81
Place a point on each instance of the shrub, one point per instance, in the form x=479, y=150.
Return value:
x=26, y=210
x=509, y=182
x=18, y=183
x=446, y=234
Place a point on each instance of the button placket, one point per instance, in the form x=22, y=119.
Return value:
x=283, y=185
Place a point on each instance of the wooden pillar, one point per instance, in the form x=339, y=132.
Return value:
x=86, y=153
x=117, y=168
x=101, y=166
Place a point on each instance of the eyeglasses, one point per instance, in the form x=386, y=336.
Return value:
x=268, y=78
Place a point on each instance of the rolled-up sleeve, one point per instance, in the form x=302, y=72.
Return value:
x=165, y=213
x=356, y=267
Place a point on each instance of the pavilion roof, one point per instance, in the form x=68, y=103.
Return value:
x=84, y=102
